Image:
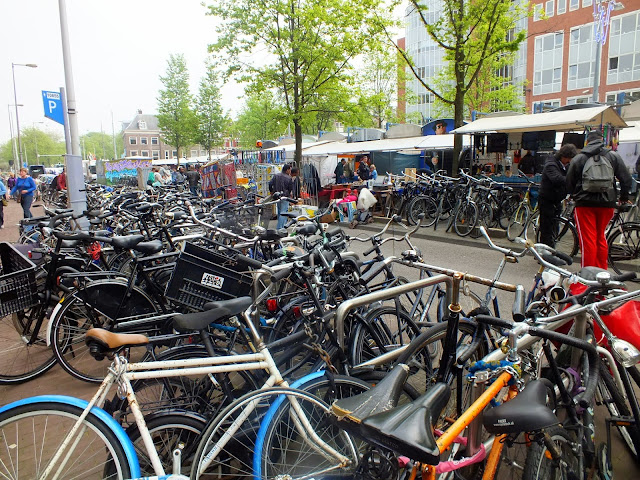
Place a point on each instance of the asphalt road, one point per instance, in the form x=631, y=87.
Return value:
x=447, y=250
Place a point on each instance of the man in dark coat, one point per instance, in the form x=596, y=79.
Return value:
x=528, y=164
x=553, y=189
x=594, y=209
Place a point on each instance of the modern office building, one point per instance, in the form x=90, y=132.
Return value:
x=557, y=63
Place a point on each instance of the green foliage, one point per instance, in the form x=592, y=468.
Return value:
x=176, y=117
x=306, y=46
x=100, y=144
x=262, y=118
x=378, y=82
x=211, y=121
x=35, y=141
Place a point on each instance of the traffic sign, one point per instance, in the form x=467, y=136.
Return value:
x=53, y=108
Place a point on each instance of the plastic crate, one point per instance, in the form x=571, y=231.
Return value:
x=202, y=275
x=18, y=290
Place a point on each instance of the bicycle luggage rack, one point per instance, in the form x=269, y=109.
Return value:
x=18, y=290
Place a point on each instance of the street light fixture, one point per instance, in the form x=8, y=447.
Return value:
x=15, y=98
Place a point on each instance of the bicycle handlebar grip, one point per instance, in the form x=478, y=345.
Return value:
x=370, y=251
x=249, y=261
x=518, y=304
x=375, y=269
x=284, y=273
x=396, y=218
x=275, y=262
x=623, y=277
x=564, y=257
x=495, y=321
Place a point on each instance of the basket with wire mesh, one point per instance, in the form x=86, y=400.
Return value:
x=18, y=289
x=208, y=274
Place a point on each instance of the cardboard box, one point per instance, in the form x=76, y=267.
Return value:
x=410, y=174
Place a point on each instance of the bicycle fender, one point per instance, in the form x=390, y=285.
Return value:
x=50, y=322
x=99, y=413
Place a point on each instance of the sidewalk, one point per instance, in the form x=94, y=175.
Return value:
x=12, y=215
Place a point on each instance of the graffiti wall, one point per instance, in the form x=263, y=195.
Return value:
x=122, y=170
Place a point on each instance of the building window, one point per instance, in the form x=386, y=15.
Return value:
x=624, y=49
x=133, y=140
x=587, y=3
x=562, y=6
x=630, y=96
x=155, y=154
x=166, y=154
x=547, y=105
x=581, y=57
x=574, y=4
x=154, y=140
x=142, y=125
x=144, y=141
x=549, y=6
x=578, y=100
x=134, y=153
x=538, y=10
x=144, y=153
x=174, y=154
x=547, y=64
x=194, y=153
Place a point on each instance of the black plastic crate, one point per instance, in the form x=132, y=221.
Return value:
x=18, y=289
x=202, y=275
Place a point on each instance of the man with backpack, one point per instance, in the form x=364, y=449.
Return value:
x=591, y=182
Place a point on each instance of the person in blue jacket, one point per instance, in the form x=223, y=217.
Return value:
x=26, y=187
x=3, y=196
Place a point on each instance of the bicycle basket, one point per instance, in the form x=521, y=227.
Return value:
x=202, y=275
x=18, y=290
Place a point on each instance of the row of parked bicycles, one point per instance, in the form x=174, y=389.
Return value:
x=221, y=349
x=465, y=203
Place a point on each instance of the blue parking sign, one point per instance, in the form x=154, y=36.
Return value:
x=53, y=108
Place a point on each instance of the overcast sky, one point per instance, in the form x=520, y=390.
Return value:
x=119, y=48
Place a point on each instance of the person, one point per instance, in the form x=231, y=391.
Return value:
x=177, y=177
x=3, y=196
x=158, y=179
x=440, y=127
x=26, y=187
x=193, y=177
x=295, y=179
x=594, y=210
x=11, y=181
x=363, y=168
x=373, y=173
x=339, y=172
x=527, y=164
x=553, y=189
x=283, y=183
x=638, y=166
x=348, y=172
x=62, y=181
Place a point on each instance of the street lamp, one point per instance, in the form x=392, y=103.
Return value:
x=15, y=98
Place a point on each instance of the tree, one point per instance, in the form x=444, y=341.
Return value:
x=378, y=84
x=261, y=118
x=100, y=144
x=176, y=117
x=37, y=142
x=471, y=33
x=305, y=44
x=211, y=120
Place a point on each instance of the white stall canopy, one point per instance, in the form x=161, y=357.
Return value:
x=564, y=120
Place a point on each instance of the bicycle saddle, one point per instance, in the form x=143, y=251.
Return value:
x=408, y=429
x=384, y=396
x=589, y=273
x=102, y=342
x=308, y=229
x=190, y=322
x=154, y=246
x=528, y=412
x=127, y=242
x=272, y=235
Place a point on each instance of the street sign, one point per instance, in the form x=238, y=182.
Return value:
x=53, y=108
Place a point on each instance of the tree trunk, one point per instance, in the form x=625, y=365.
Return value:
x=458, y=118
x=298, y=133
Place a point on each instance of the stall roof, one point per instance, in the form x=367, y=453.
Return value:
x=385, y=145
x=290, y=147
x=630, y=135
x=562, y=121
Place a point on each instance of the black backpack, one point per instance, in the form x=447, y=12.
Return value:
x=272, y=184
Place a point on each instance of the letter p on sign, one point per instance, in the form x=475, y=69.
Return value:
x=53, y=107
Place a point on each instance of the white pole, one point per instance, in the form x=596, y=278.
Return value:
x=73, y=160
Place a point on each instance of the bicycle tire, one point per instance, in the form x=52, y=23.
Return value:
x=566, y=239
x=624, y=248
x=169, y=430
x=236, y=458
x=19, y=361
x=93, y=307
x=518, y=222
x=509, y=206
x=101, y=454
x=485, y=218
x=539, y=464
x=424, y=205
x=466, y=219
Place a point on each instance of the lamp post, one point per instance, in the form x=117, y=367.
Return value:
x=15, y=98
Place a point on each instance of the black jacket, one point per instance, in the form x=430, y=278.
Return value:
x=283, y=183
x=553, y=186
x=594, y=199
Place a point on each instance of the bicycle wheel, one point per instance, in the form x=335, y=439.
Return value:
x=485, y=218
x=518, y=222
x=507, y=210
x=33, y=432
x=424, y=205
x=94, y=307
x=624, y=248
x=21, y=361
x=566, y=238
x=466, y=219
x=241, y=424
x=539, y=463
x=169, y=431
x=382, y=330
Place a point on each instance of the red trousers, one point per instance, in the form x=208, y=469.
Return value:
x=591, y=223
